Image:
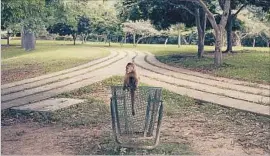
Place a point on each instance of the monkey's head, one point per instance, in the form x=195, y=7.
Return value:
x=130, y=67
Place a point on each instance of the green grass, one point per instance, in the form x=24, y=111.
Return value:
x=250, y=64
x=48, y=57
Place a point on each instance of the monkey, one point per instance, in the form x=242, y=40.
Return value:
x=131, y=81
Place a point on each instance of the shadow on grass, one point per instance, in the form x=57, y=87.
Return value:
x=243, y=65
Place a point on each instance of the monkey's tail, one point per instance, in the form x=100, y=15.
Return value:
x=132, y=95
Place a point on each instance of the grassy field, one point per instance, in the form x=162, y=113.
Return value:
x=86, y=127
x=49, y=56
x=250, y=64
x=247, y=63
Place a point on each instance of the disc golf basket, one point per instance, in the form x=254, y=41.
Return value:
x=141, y=130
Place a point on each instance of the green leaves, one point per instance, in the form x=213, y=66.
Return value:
x=28, y=13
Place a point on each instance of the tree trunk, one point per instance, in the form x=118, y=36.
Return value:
x=125, y=38
x=8, y=35
x=105, y=39
x=268, y=43
x=29, y=40
x=134, y=39
x=179, y=38
x=139, y=39
x=97, y=39
x=22, y=37
x=236, y=39
x=201, y=44
x=185, y=41
x=109, y=39
x=74, y=38
x=231, y=19
x=82, y=36
x=148, y=41
x=218, y=46
x=219, y=28
x=165, y=43
x=254, y=42
x=190, y=38
x=85, y=39
x=200, y=20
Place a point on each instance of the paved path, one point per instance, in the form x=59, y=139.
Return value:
x=226, y=92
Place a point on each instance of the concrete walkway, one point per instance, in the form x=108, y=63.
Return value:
x=226, y=92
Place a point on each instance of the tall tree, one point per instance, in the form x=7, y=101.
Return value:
x=84, y=27
x=29, y=14
x=104, y=21
x=236, y=7
x=179, y=28
x=67, y=13
x=142, y=28
x=62, y=29
x=164, y=13
x=218, y=27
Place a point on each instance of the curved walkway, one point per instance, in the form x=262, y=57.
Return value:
x=226, y=92
x=222, y=91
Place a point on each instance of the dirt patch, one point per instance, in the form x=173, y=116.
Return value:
x=16, y=74
x=198, y=131
x=85, y=129
x=35, y=139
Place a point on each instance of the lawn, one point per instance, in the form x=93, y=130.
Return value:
x=189, y=127
x=49, y=56
x=250, y=64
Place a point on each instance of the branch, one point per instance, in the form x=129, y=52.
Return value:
x=209, y=14
x=263, y=37
x=236, y=13
x=225, y=14
x=243, y=35
x=143, y=38
x=183, y=7
x=198, y=22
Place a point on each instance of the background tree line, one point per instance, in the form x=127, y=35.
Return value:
x=201, y=22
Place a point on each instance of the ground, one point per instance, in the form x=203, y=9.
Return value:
x=49, y=57
x=247, y=63
x=189, y=127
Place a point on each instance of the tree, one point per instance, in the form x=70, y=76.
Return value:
x=179, y=28
x=62, y=29
x=84, y=27
x=104, y=21
x=142, y=28
x=67, y=15
x=164, y=13
x=29, y=14
x=239, y=5
x=253, y=27
x=218, y=27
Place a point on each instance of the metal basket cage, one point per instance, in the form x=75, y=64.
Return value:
x=141, y=130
